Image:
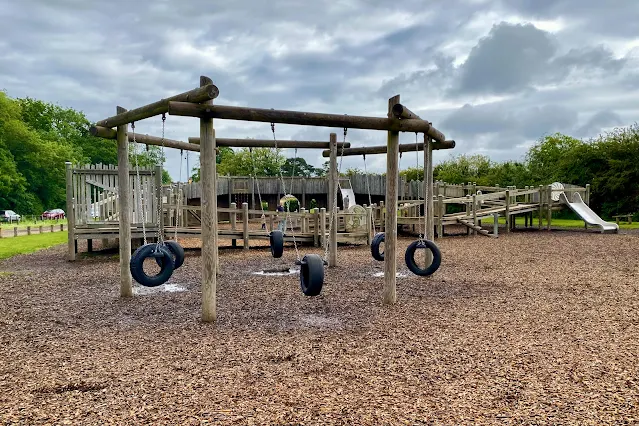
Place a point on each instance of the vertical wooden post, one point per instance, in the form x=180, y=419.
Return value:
x=332, y=206
x=469, y=209
x=233, y=217
x=51, y=230
x=370, y=224
x=587, y=195
x=28, y=230
x=442, y=212
x=316, y=228
x=495, y=223
x=70, y=212
x=474, y=198
x=209, y=214
x=507, y=212
x=304, y=220
x=382, y=217
x=549, y=212
x=540, y=213
x=15, y=234
x=40, y=229
x=124, y=194
x=389, y=294
x=245, y=225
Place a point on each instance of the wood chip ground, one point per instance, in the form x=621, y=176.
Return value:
x=531, y=328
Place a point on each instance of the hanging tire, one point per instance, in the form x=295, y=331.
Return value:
x=312, y=275
x=378, y=239
x=137, y=265
x=276, y=239
x=409, y=257
x=176, y=250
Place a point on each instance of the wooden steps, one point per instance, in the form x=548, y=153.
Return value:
x=474, y=227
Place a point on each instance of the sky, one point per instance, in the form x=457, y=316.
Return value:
x=495, y=76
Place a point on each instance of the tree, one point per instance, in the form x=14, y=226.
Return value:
x=545, y=156
x=298, y=166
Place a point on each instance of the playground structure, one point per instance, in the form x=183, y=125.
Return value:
x=199, y=103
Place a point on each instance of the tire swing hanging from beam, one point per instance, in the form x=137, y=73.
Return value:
x=422, y=243
x=158, y=251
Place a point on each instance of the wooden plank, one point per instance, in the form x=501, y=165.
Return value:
x=302, y=118
x=200, y=94
x=389, y=293
x=270, y=143
x=124, y=189
x=381, y=149
x=245, y=225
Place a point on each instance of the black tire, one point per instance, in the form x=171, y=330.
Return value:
x=137, y=266
x=409, y=257
x=176, y=250
x=312, y=275
x=378, y=239
x=276, y=239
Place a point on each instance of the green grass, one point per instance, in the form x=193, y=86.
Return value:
x=556, y=222
x=30, y=243
x=34, y=224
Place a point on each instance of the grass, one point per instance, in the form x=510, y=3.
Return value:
x=556, y=222
x=33, y=223
x=30, y=243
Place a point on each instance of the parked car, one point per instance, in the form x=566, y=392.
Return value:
x=9, y=216
x=53, y=214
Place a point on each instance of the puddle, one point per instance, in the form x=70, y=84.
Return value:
x=290, y=272
x=167, y=288
x=397, y=274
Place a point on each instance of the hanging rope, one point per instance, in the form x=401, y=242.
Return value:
x=287, y=211
x=137, y=183
x=333, y=215
x=421, y=238
x=178, y=215
x=368, y=188
x=159, y=208
x=257, y=184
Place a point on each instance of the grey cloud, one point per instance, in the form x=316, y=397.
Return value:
x=597, y=122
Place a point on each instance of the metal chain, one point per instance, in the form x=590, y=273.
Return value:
x=137, y=182
x=334, y=210
x=259, y=194
x=287, y=212
x=421, y=237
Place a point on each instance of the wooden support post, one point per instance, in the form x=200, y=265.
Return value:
x=316, y=228
x=389, y=294
x=549, y=211
x=271, y=222
x=245, y=225
x=507, y=212
x=382, y=216
x=323, y=225
x=370, y=224
x=70, y=211
x=333, y=183
x=304, y=220
x=158, y=199
x=208, y=182
x=62, y=227
x=28, y=230
x=51, y=230
x=469, y=208
x=495, y=223
x=15, y=233
x=40, y=229
x=474, y=198
x=229, y=181
x=233, y=217
x=124, y=195
x=540, y=213
x=587, y=195
x=440, y=221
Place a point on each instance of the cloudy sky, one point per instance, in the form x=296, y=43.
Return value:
x=493, y=75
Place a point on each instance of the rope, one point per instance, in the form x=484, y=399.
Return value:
x=368, y=188
x=334, y=210
x=259, y=194
x=288, y=213
x=137, y=182
x=178, y=216
x=421, y=238
x=159, y=209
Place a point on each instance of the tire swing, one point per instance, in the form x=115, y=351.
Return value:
x=422, y=243
x=379, y=237
x=158, y=251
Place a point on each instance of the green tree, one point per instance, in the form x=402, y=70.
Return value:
x=298, y=166
x=544, y=158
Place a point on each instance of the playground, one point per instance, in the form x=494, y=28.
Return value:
x=531, y=325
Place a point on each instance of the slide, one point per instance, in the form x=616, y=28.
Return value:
x=584, y=212
x=348, y=195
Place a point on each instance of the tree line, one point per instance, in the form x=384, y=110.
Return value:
x=37, y=138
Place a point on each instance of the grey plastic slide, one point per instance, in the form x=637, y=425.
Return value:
x=584, y=212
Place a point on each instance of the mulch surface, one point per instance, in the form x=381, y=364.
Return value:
x=531, y=328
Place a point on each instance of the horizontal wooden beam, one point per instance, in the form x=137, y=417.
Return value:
x=400, y=111
x=105, y=132
x=187, y=109
x=381, y=149
x=201, y=94
x=270, y=143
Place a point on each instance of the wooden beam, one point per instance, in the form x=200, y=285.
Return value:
x=201, y=94
x=270, y=143
x=389, y=294
x=400, y=111
x=303, y=118
x=381, y=149
x=333, y=183
x=124, y=190
x=209, y=216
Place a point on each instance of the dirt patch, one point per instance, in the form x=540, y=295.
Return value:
x=530, y=328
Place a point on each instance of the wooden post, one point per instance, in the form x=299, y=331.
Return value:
x=245, y=225
x=209, y=214
x=333, y=183
x=469, y=208
x=540, y=199
x=474, y=198
x=124, y=195
x=304, y=220
x=507, y=212
x=389, y=294
x=51, y=230
x=233, y=217
x=369, y=225
x=323, y=225
x=28, y=230
x=316, y=228
x=40, y=229
x=442, y=211
x=587, y=195
x=549, y=211
x=495, y=223
x=15, y=232
x=70, y=212
x=62, y=227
